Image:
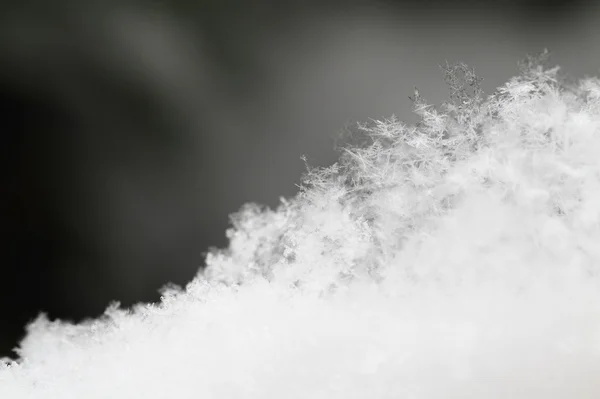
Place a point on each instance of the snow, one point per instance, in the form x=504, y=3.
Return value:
x=455, y=259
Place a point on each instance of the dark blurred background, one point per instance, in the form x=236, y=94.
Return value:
x=132, y=129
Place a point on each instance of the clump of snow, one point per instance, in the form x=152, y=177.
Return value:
x=458, y=258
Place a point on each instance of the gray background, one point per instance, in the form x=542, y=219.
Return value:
x=131, y=130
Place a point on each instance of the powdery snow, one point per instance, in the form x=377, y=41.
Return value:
x=458, y=258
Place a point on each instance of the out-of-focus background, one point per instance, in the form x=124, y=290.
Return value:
x=132, y=129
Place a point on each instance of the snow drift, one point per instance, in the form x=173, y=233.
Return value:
x=458, y=258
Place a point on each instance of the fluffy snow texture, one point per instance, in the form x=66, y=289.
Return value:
x=457, y=258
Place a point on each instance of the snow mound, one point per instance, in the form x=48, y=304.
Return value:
x=457, y=258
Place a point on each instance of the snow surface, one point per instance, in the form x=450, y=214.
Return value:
x=458, y=258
